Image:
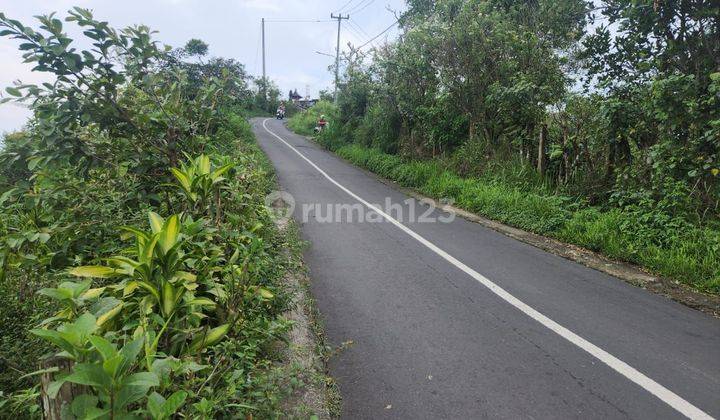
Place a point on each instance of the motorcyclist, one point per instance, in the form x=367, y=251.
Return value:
x=322, y=122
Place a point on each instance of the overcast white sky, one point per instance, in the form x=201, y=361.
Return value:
x=230, y=27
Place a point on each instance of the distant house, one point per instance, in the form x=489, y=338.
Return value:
x=294, y=96
x=299, y=101
x=306, y=103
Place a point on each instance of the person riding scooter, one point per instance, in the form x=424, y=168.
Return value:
x=321, y=124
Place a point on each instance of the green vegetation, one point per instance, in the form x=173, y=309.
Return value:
x=134, y=241
x=474, y=102
x=690, y=254
x=305, y=122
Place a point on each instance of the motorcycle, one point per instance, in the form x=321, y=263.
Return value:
x=280, y=114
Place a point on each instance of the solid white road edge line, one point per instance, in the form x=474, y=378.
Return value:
x=664, y=394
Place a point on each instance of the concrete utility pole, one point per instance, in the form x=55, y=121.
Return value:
x=263, y=58
x=339, y=18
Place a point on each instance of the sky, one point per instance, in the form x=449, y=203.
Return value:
x=232, y=28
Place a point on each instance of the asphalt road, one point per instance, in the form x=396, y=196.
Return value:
x=454, y=320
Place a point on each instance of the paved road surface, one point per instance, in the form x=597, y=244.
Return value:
x=431, y=340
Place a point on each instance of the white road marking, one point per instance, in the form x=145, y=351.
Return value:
x=664, y=394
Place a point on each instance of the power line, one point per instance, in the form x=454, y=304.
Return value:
x=356, y=32
x=356, y=10
x=346, y=5
x=358, y=27
x=299, y=20
x=378, y=35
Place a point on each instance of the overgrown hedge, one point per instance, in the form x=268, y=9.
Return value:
x=134, y=239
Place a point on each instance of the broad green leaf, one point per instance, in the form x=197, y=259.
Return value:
x=79, y=331
x=97, y=271
x=106, y=349
x=59, y=294
x=169, y=298
x=203, y=164
x=169, y=233
x=83, y=404
x=217, y=173
x=148, y=249
x=129, y=353
x=130, y=287
x=202, y=302
x=183, y=179
x=211, y=338
x=156, y=222
x=113, y=365
x=91, y=374
x=142, y=379
x=184, y=275
x=55, y=338
x=155, y=405
x=107, y=316
x=93, y=293
x=174, y=402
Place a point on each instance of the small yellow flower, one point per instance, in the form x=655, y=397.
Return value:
x=715, y=171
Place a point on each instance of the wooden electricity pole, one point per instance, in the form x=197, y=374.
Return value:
x=263, y=59
x=339, y=18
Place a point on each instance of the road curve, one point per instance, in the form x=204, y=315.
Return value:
x=454, y=320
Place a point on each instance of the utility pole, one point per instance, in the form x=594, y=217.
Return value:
x=339, y=18
x=263, y=58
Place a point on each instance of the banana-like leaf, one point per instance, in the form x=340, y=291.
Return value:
x=211, y=338
x=156, y=222
x=184, y=275
x=203, y=164
x=183, y=179
x=130, y=287
x=93, y=293
x=124, y=265
x=217, y=173
x=170, y=297
x=147, y=251
x=202, y=302
x=97, y=271
x=150, y=288
x=139, y=234
x=169, y=233
x=107, y=316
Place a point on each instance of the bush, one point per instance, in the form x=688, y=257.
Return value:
x=304, y=122
x=183, y=318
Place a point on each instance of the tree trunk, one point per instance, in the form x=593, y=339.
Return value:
x=53, y=407
x=542, y=159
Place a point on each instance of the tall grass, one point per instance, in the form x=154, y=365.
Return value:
x=691, y=255
x=304, y=121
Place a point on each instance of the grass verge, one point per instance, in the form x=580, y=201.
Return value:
x=690, y=255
